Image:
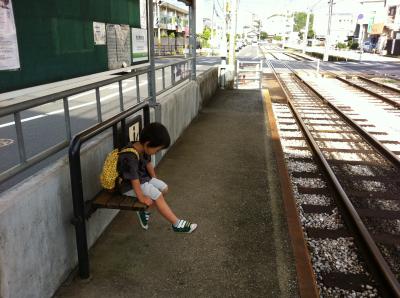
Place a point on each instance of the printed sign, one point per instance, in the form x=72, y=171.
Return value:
x=140, y=51
x=99, y=33
x=143, y=14
x=9, y=57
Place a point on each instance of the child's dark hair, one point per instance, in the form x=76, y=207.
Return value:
x=156, y=134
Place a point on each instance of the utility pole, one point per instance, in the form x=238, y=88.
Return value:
x=306, y=31
x=192, y=38
x=328, y=35
x=158, y=29
x=224, y=47
x=232, y=38
x=212, y=30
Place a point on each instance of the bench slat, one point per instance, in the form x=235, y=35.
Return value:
x=115, y=201
x=101, y=199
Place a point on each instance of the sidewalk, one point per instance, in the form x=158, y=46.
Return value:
x=220, y=175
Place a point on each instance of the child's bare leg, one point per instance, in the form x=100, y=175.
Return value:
x=165, y=191
x=165, y=210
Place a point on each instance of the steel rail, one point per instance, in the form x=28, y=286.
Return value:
x=379, y=84
x=381, y=148
x=305, y=274
x=382, y=97
x=380, y=267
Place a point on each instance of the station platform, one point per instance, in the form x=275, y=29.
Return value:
x=221, y=174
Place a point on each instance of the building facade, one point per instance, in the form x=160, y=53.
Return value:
x=170, y=20
x=343, y=25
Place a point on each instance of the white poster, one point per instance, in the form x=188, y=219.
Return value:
x=143, y=14
x=9, y=57
x=140, y=51
x=99, y=33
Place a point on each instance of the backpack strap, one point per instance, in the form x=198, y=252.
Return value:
x=132, y=150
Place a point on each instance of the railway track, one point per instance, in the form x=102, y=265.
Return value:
x=386, y=93
x=346, y=185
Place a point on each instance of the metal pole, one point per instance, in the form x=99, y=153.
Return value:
x=306, y=31
x=212, y=30
x=192, y=37
x=328, y=35
x=232, y=33
x=361, y=39
x=237, y=74
x=224, y=47
x=152, y=74
x=159, y=29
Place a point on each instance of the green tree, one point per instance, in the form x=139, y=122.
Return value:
x=206, y=33
x=300, y=19
x=205, y=37
x=263, y=35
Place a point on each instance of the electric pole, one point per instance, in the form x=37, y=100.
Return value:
x=328, y=35
x=306, y=31
x=224, y=47
x=158, y=25
x=232, y=37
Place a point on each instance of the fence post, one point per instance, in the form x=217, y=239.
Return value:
x=192, y=37
x=152, y=74
x=237, y=74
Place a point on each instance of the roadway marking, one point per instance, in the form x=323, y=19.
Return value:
x=103, y=99
x=5, y=142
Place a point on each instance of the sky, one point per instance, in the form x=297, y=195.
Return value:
x=265, y=8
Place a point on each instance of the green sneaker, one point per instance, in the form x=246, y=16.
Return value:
x=144, y=217
x=184, y=226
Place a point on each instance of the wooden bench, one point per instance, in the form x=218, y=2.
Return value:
x=83, y=209
x=108, y=200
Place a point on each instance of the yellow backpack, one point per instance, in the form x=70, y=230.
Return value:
x=109, y=174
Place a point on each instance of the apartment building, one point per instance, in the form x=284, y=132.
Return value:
x=343, y=25
x=169, y=18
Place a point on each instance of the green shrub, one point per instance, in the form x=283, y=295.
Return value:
x=341, y=45
x=354, y=46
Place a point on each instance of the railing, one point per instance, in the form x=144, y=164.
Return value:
x=164, y=50
x=167, y=76
x=248, y=71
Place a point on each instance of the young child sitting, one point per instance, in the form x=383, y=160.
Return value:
x=139, y=177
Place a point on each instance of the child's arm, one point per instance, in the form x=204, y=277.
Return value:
x=138, y=191
x=150, y=170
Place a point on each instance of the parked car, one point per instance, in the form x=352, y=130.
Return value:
x=369, y=46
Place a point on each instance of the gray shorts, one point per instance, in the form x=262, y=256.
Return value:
x=152, y=189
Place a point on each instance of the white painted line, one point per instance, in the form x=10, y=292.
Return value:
x=103, y=99
x=5, y=142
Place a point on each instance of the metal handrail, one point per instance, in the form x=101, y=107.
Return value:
x=41, y=100
x=16, y=106
x=257, y=70
x=76, y=176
